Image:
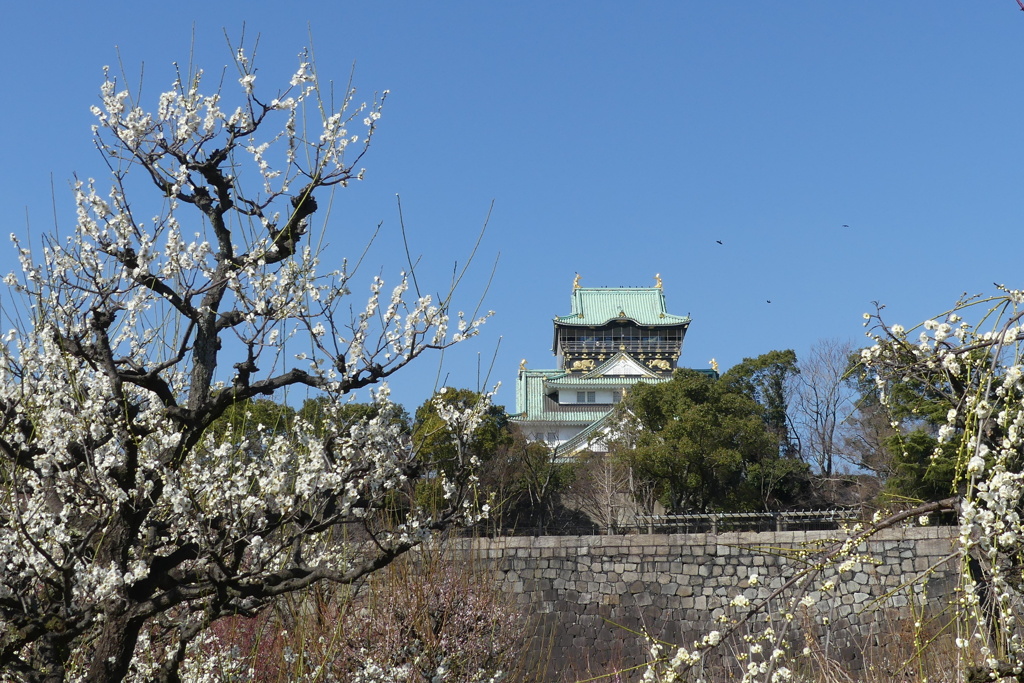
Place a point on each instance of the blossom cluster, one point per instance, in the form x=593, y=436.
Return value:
x=124, y=482
x=970, y=357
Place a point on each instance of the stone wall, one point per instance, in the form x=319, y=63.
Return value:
x=592, y=594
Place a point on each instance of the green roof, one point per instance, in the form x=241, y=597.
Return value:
x=574, y=382
x=594, y=306
x=534, y=385
x=581, y=440
x=530, y=389
x=531, y=393
x=530, y=404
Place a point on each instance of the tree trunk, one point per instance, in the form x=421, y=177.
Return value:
x=114, y=647
x=53, y=653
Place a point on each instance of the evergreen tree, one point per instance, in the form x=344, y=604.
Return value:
x=705, y=445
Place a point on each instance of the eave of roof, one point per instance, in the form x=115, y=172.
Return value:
x=533, y=387
x=562, y=418
x=581, y=382
x=583, y=438
x=595, y=306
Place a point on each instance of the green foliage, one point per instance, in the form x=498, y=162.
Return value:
x=705, y=445
x=919, y=472
x=438, y=448
x=526, y=481
x=254, y=414
x=920, y=468
x=350, y=414
x=428, y=494
x=246, y=425
x=767, y=380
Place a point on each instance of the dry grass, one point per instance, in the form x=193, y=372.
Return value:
x=897, y=653
x=424, y=613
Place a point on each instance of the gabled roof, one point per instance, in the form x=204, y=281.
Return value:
x=583, y=440
x=577, y=382
x=594, y=306
x=531, y=392
x=618, y=371
x=533, y=387
x=621, y=365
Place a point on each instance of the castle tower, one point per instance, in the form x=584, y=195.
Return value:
x=612, y=338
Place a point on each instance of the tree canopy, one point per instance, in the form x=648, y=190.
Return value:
x=923, y=463
x=767, y=379
x=705, y=445
x=436, y=440
x=350, y=414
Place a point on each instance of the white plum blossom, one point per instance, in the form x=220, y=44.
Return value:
x=139, y=474
x=740, y=601
x=978, y=371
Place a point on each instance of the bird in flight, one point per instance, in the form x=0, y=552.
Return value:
x=769, y=300
x=1021, y=5
x=720, y=241
x=846, y=226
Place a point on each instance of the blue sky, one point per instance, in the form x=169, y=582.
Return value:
x=617, y=140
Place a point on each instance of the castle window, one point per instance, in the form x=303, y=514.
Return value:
x=586, y=397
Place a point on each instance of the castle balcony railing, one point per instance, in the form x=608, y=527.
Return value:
x=614, y=345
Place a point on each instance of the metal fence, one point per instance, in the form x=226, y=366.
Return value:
x=722, y=522
x=701, y=523
x=689, y=523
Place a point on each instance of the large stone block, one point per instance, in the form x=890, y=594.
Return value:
x=577, y=582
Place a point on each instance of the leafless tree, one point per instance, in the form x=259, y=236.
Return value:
x=868, y=430
x=602, y=489
x=824, y=403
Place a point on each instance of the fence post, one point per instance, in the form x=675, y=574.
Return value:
x=714, y=524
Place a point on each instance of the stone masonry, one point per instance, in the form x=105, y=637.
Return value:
x=592, y=595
